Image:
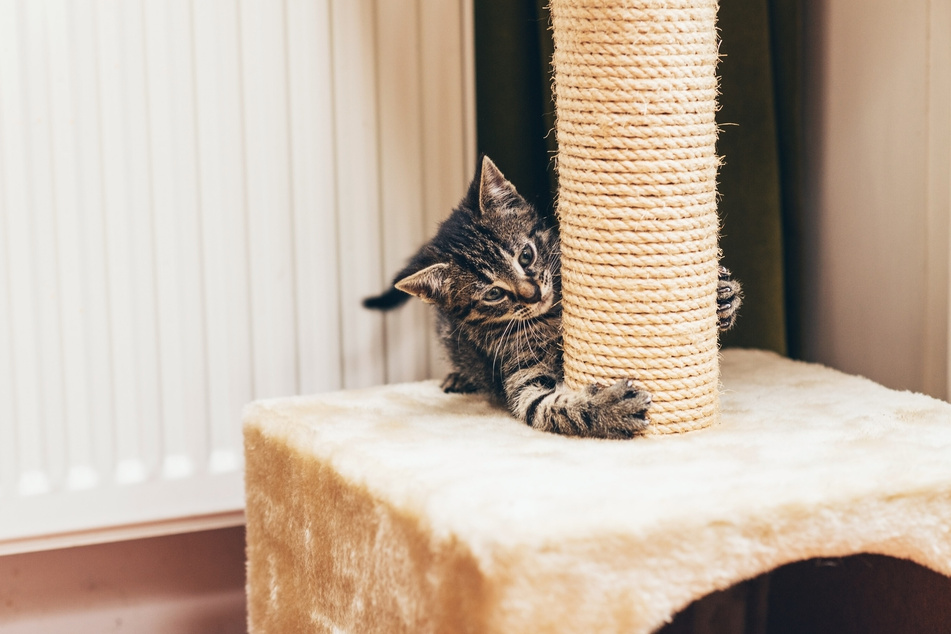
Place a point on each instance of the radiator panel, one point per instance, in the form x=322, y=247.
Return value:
x=194, y=197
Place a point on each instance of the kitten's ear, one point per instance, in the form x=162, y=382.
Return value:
x=495, y=191
x=426, y=284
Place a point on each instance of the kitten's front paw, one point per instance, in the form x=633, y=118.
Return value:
x=456, y=383
x=618, y=410
x=729, y=298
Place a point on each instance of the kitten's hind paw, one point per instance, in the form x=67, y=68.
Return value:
x=618, y=410
x=729, y=298
x=458, y=384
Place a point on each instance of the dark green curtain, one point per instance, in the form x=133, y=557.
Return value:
x=515, y=114
x=759, y=127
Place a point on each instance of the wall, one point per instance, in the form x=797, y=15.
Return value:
x=877, y=190
x=182, y=584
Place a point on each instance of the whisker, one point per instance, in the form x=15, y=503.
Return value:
x=498, y=345
x=531, y=333
x=520, y=333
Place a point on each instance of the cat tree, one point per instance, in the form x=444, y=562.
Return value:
x=403, y=509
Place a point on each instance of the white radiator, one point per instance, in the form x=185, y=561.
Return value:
x=194, y=197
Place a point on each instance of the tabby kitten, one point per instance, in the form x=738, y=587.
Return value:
x=493, y=273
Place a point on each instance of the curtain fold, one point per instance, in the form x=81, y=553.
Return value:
x=786, y=31
x=759, y=128
x=515, y=115
x=750, y=178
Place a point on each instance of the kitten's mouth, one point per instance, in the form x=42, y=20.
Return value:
x=542, y=307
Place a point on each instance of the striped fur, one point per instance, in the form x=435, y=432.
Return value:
x=492, y=272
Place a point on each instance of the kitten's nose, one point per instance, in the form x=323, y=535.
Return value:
x=529, y=292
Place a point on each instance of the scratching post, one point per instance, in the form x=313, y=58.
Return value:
x=635, y=89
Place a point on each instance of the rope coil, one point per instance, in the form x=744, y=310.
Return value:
x=635, y=90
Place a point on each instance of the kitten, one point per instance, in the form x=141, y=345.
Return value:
x=493, y=273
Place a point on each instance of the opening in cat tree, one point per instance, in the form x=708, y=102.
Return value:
x=859, y=594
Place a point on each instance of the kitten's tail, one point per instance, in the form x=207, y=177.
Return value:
x=393, y=298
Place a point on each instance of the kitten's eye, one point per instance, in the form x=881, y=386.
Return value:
x=494, y=294
x=527, y=256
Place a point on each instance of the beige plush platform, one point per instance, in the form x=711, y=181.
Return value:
x=402, y=509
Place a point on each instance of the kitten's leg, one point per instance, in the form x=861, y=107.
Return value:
x=464, y=360
x=729, y=298
x=456, y=382
x=616, y=411
x=466, y=376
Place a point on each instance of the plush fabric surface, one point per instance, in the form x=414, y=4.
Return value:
x=403, y=509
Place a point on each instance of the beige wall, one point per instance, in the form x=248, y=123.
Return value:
x=878, y=175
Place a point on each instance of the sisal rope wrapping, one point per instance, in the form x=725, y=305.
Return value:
x=635, y=88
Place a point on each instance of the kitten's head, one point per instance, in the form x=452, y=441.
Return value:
x=494, y=259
